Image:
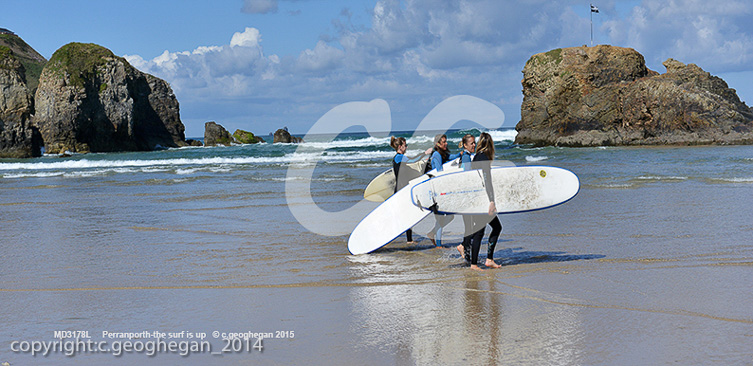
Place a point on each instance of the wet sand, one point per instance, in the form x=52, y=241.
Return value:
x=655, y=274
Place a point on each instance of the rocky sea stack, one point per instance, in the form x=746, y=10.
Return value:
x=605, y=95
x=18, y=139
x=90, y=100
x=215, y=134
x=283, y=136
x=245, y=137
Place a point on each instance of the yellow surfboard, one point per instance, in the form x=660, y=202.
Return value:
x=383, y=186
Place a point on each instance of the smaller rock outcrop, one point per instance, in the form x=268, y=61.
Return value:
x=215, y=134
x=192, y=142
x=282, y=135
x=245, y=137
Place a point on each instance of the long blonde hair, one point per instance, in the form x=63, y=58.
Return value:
x=485, y=145
x=465, y=140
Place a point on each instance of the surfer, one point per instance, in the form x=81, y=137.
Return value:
x=400, y=145
x=468, y=144
x=482, y=160
x=440, y=156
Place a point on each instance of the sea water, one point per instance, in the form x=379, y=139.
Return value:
x=651, y=263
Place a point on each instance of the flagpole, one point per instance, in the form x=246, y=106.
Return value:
x=592, y=26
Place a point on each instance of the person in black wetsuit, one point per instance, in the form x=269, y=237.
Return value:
x=400, y=145
x=468, y=146
x=482, y=160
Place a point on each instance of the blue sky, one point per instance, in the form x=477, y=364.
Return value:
x=262, y=64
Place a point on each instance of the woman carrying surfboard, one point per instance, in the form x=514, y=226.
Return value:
x=440, y=156
x=400, y=146
x=483, y=160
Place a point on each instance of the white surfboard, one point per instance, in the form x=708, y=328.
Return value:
x=516, y=189
x=383, y=186
x=393, y=217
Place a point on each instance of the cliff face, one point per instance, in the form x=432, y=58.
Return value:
x=17, y=138
x=32, y=61
x=90, y=100
x=604, y=95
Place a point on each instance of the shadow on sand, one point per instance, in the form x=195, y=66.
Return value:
x=504, y=256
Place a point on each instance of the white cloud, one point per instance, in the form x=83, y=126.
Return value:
x=227, y=69
x=249, y=38
x=714, y=35
x=322, y=57
x=417, y=52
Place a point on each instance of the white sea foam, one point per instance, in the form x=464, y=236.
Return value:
x=33, y=175
x=311, y=153
x=656, y=177
x=503, y=135
x=533, y=159
x=735, y=180
x=303, y=179
x=156, y=164
x=613, y=185
x=71, y=174
x=364, y=142
x=419, y=138
x=182, y=166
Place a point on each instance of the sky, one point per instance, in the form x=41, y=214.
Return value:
x=259, y=65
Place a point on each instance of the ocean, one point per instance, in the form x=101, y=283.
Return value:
x=651, y=263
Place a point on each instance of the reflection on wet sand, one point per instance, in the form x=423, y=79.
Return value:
x=468, y=320
x=542, y=307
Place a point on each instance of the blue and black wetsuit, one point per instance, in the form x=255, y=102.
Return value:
x=437, y=161
x=398, y=161
x=466, y=160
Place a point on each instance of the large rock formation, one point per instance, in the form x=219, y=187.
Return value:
x=90, y=100
x=604, y=95
x=18, y=139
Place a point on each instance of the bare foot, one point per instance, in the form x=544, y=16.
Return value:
x=476, y=268
x=411, y=242
x=431, y=237
x=491, y=264
x=461, y=250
